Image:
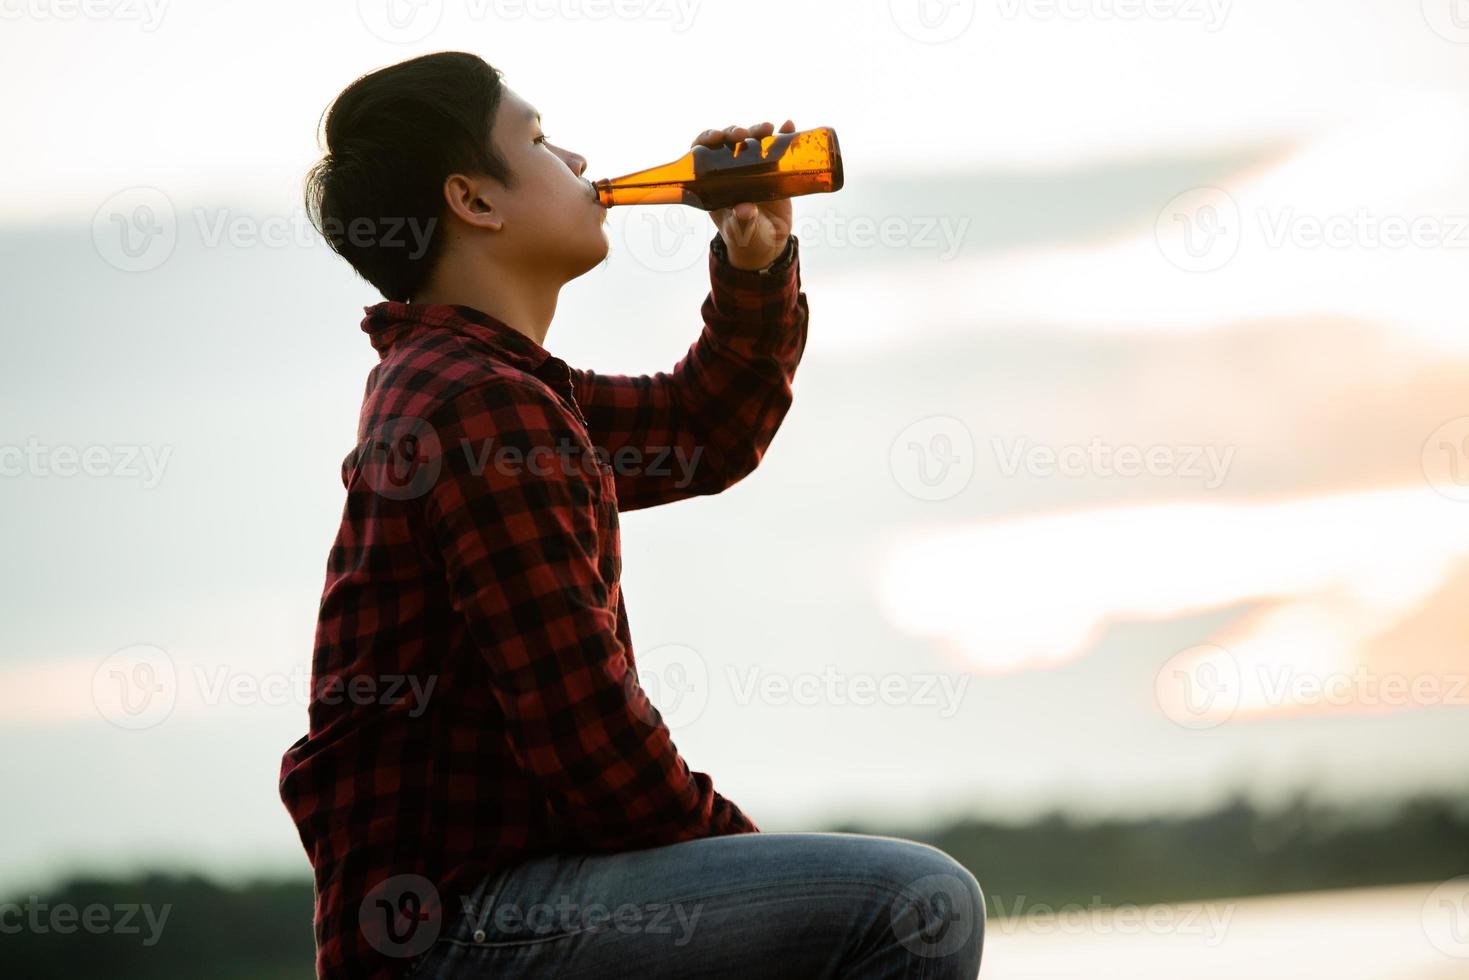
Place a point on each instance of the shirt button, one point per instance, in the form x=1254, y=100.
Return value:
x=479, y=935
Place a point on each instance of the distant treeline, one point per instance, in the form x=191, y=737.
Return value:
x=1235, y=851
x=187, y=926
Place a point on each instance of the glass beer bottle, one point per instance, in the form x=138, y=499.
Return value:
x=779, y=166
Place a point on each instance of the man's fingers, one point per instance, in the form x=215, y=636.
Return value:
x=710, y=137
x=733, y=134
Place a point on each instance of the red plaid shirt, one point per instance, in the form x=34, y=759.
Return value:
x=474, y=692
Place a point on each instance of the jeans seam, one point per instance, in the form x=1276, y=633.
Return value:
x=868, y=882
x=507, y=943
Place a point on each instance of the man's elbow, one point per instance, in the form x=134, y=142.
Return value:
x=717, y=472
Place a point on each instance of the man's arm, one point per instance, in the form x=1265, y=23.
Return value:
x=706, y=424
x=518, y=534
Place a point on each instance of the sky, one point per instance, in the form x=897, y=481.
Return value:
x=1127, y=466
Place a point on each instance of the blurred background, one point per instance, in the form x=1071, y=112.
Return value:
x=1116, y=541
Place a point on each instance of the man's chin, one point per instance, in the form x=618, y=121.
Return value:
x=596, y=254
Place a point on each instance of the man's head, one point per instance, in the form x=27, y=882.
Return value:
x=434, y=169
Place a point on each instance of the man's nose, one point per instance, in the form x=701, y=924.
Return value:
x=577, y=163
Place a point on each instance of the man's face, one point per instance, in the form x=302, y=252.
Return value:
x=553, y=221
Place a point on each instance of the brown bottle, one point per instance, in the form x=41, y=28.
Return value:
x=779, y=166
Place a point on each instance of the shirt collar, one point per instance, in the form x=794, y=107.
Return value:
x=388, y=322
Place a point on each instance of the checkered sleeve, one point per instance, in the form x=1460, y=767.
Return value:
x=706, y=424
x=517, y=515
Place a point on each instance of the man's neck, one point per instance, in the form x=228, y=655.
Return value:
x=519, y=301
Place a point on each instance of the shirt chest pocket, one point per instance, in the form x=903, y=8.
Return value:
x=609, y=536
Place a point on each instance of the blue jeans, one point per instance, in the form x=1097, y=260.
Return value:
x=769, y=906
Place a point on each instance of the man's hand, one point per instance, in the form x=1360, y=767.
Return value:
x=754, y=234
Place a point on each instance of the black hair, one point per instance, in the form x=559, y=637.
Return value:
x=391, y=139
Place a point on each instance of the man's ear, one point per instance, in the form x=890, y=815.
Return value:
x=469, y=199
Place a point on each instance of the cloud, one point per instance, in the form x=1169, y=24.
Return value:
x=1370, y=222
x=1336, y=573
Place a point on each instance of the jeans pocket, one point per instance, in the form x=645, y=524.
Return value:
x=528, y=905
x=462, y=928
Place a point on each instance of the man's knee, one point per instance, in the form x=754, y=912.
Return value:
x=938, y=911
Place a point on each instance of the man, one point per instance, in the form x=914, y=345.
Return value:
x=484, y=789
